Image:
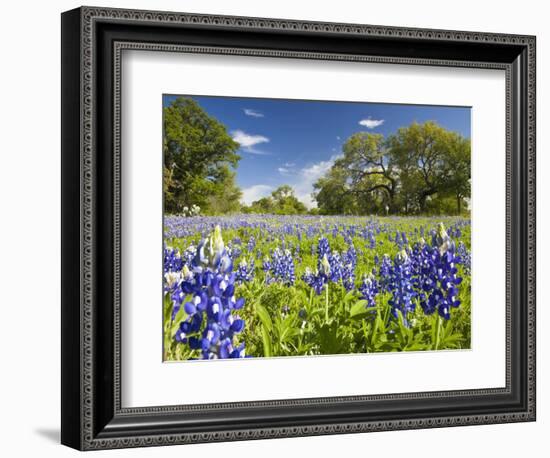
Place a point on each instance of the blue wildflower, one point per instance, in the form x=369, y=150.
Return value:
x=211, y=284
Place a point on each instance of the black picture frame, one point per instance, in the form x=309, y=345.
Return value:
x=92, y=42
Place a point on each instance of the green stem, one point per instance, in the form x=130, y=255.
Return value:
x=366, y=336
x=326, y=303
x=438, y=332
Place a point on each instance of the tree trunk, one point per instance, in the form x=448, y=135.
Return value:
x=424, y=197
x=458, y=204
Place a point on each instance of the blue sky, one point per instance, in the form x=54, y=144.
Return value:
x=296, y=141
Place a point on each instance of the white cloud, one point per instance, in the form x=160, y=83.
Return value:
x=248, y=141
x=288, y=168
x=257, y=152
x=253, y=113
x=302, y=180
x=317, y=170
x=338, y=137
x=255, y=192
x=371, y=123
x=308, y=176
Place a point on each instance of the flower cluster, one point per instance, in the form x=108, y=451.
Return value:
x=424, y=274
x=331, y=267
x=336, y=269
x=172, y=260
x=234, y=249
x=372, y=241
x=245, y=271
x=323, y=249
x=319, y=279
x=194, y=210
x=350, y=263
x=280, y=267
x=438, y=275
x=399, y=283
x=206, y=290
x=369, y=289
x=465, y=257
x=251, y=244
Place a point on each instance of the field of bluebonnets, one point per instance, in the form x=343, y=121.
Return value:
x=265, y=285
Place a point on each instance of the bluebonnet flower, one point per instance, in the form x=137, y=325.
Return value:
x=465, y=258
x=282, y=267
x=308, y=277
x=350, y=262
x=348, y=237
x=369, y=289
x=323, y=248
x=189, y=254
x=401, y=286
x=385, y=271
x=188, y=327
x=321, y=276
x=233, y=250
x=266, y=265
x=316, y=280
x=172, y=280
x=245, y=271
x=211, y=285
x=336, y=267
x=332, y=267
x=172, y=260
x=372, y=241
x=438, y=275
x=444, y=293
x=251, y=244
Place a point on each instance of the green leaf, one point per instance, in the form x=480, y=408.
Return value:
x=376, y=326
x=329, y=341
x=263, y=314
x=349, y=296
x=405, y=334
x=266, y=339
x=359, y=310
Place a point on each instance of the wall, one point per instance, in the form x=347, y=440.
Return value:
x=30, y=212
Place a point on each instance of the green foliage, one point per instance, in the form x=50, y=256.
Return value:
x=199, y=158
x=281, y=202
x=421, y=169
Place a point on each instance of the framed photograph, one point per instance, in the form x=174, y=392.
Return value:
x=276, y=228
